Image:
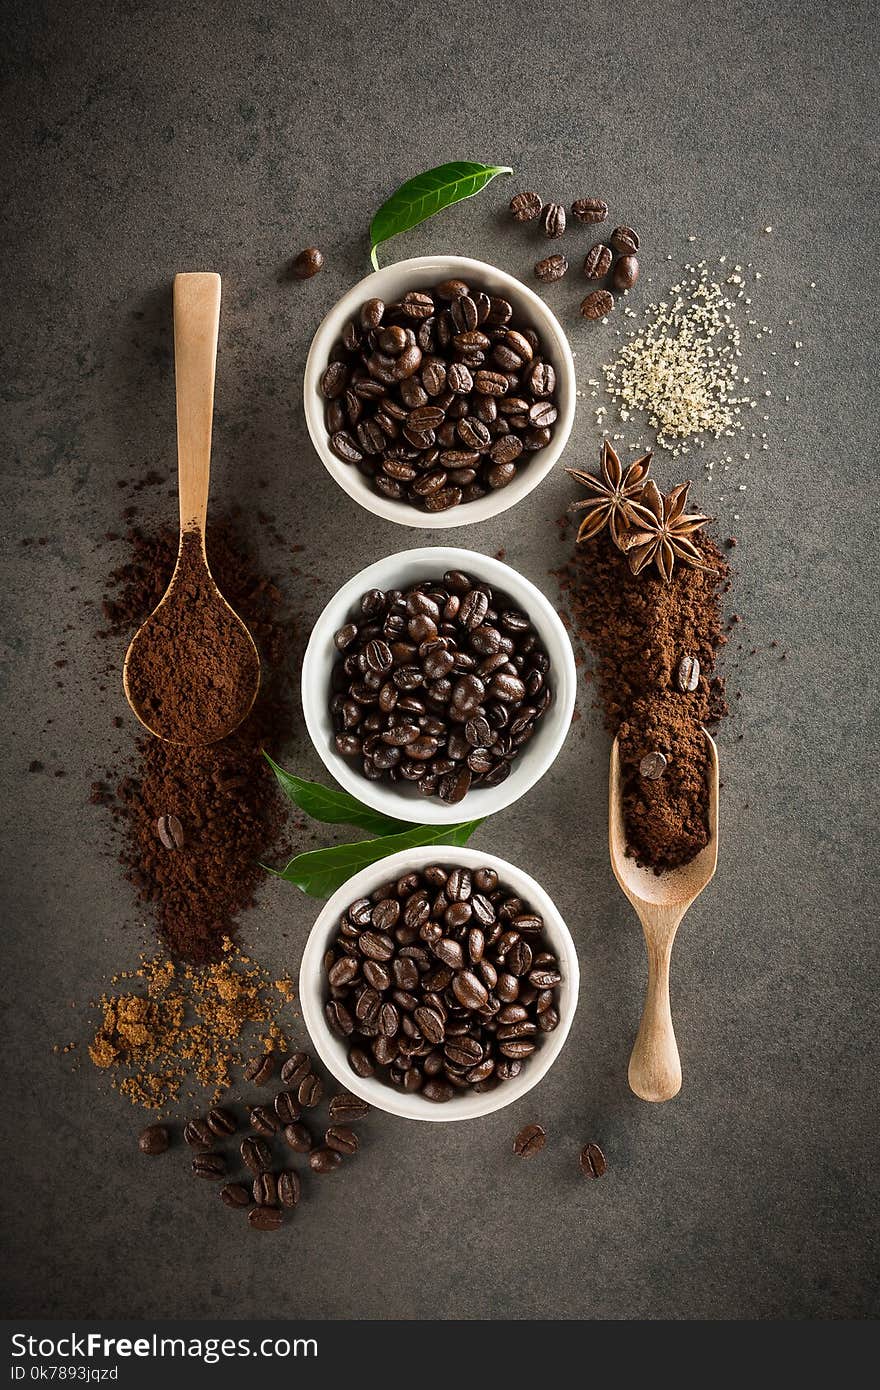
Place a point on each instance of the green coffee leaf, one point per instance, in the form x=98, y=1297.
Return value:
x=319, y=872
x=426, y=194
x=333, y=807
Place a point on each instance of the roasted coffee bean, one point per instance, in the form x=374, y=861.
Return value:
x=211, y=1167
x=289, y=1188
x=298, y=1138
x=429, y=373
x=597, y=261
x=597, y=305
x=525, y=207
x=553, y=219
x=688, y=675
x=265, y=1218
x=589, y=210
x=256, y=1154
x=235, y=1194
x=221, y=1122
x=541, y=380
x=624, y=240
x=530, y=1141
x=260, y=1069
x=653, y=765
x=197, y=1134
x=342, y=1139
x=345, y=1106
x=593, y=1162
x=154, y=1139
x=265, y=1190
x=307, y=263
x=324, y=1160
x=262, y=1119
x=626, y=273
x=170, y=832
x=310, y=1091
x=287, y=1108
x=551, y=268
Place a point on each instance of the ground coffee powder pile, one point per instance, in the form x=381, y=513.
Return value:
x=640, y=629
x=196, y=822
x=193, y=670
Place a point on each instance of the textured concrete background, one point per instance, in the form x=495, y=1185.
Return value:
x=142, y=139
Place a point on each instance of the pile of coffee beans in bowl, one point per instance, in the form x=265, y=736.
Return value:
x=439, y=685
x=441, y=981
x=440, y=398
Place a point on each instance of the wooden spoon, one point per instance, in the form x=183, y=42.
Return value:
x=195, y=621
x=660, y=902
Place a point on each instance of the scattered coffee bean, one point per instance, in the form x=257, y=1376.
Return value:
x=262, y=1119
x=597, y=305
x=154, y=1140
x=307, y=263
x=345, y=1106
x=530, y=1141
x=553, y=219
x=626, y=273
x=235, y=1194
x=287, y=1108
x=624, y=240
x=342, y=1139
x=170, y=832
x=419, y=392
x=688, y=674
x=311, y=1090
x=256, y=1155
x=324, y=1160
x=551, y=268
x=424, y=666
x=298, y=1138
x=197, y=1134
x=289, y=1188
x=212, y=1167
x=597, y=262
x=525, y=207
x=653, y=765
x=299, y=1064
x=265, y=1190
x=593, y=1161
x=434, y=1022
x=589, y=210
x=265, y=1218
x=259, y=1069
x=221, y=1122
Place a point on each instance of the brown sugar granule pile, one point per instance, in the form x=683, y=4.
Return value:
x=197, y=822
x=165, y=1024
x=639, y=628
x=193, y=670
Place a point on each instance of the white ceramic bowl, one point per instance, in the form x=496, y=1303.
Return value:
x=389, y=284
x=465, y=1105
x=401, y=799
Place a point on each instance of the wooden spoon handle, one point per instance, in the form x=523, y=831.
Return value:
x=655, y=1067
x=196, y=325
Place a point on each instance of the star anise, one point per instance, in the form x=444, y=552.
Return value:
x=614, y=491
x=661, y=531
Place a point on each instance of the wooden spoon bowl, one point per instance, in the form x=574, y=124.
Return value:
x=193, y=622
x=660, y=901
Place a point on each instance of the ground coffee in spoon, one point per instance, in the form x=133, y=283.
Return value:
x=193, y=670
x=655, y=646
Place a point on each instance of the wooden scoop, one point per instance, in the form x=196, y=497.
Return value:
x=196, y=327
x=660, y=902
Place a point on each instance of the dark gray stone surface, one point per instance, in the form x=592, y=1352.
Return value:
x=142, y=139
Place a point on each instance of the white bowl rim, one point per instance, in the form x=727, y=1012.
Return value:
x=353, y=482
x=384, y=797
x=379, y=1094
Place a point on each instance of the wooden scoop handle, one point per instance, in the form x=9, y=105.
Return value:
x=196, y=326
x=654, y=1066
